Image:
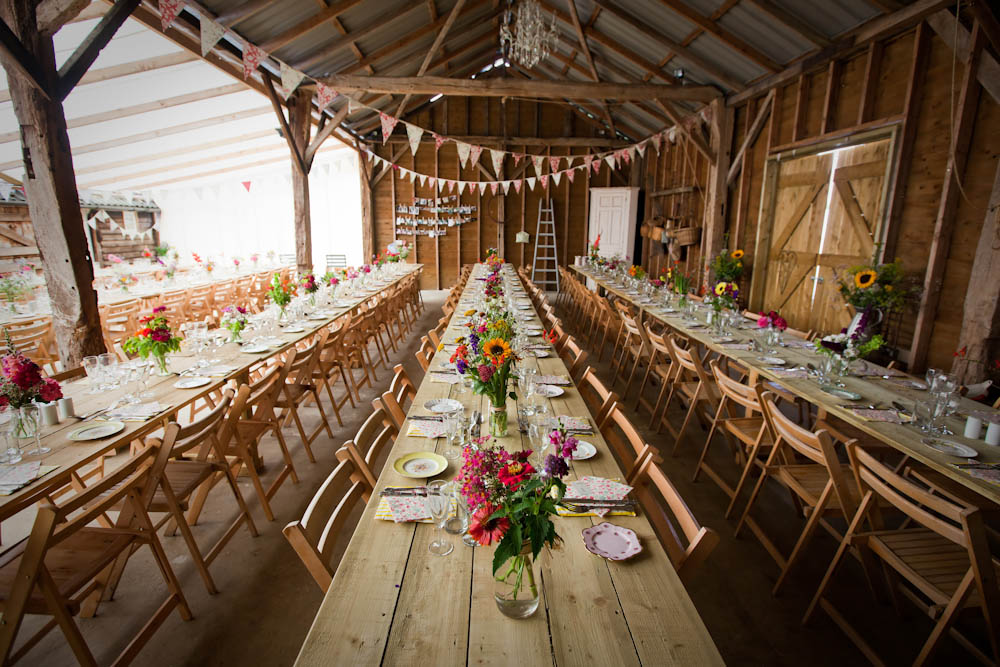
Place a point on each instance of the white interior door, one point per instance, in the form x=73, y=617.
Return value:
x=612, y=215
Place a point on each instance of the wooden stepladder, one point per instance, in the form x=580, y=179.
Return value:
x=545, y=262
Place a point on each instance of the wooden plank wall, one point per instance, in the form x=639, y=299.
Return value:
x=870, y=89
x=17, y=238
x=458, y=117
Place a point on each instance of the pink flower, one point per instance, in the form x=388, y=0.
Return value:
x=50, y=390
x=160, y=335
x=485, y=372
x=487, y=531
x=160, y=309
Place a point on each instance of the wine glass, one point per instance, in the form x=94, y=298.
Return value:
x=93, y=370
x=7, y=451
x=28, y=426
x=106, y=371
x=438, y=503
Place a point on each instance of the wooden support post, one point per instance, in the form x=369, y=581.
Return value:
x=53, y=200
x=299, y=125
x=980, y=336
x=715, y=202
x=368, y=211
x=944, y=225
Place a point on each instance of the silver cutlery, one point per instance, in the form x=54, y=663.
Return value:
x=426, y=418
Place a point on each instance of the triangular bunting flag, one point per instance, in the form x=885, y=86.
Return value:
x=556, y=175
x=246, y=184
x=422, y=179
x=626, y=155
x=388, y=124
x=352, y=105
x=169, y=9
x=517, y=185
x=610, y=159
x=325, y=95
x=554, y=163
x=438, y=140
x=413, y=133
x=497, y=157
x=506, y=186
x=494, y=187
x=538, y=161
x=641, y=147
x=463, y=151
x=587, y=161
x=596, y=164
x=474, y=154
x=656, y=141
x=544, y=178
x=251, y=59
x=432, y=181
x=570, y=173
x=211, y=33
x=569, y=160
x=482, y=187
x=461, y=186
x=290, y=80
x=518, y=157
x=530, y=182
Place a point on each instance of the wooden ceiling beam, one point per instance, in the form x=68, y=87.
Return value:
x=86, y=53
x=432, y=85
x=431, y=52
x=585, y=49
x=710, y=68
x=943, y=24
x=50, y=15
x=726, y=37
x=311, y=23
x=17, y=58
x=323, y=134
x=783, y=16
x=490, y=140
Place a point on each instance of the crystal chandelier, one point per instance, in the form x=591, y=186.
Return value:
x=524, y=35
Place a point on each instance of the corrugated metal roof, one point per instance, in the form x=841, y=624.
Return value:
x=777, y=41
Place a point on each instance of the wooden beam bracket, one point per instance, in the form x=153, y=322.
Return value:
x=22, y=61
x=77, y=64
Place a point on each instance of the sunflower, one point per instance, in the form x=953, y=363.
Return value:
x=737, y=254
x=720, y=289
x=496, y=350
x=865, y=278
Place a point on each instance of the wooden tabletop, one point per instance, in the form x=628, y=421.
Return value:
x=70, y=455
x=874, y=391
x=393, y=602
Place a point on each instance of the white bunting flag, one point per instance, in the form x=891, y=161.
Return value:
x=610, y=159
x=530, y=182
x=656, y=141
x=414, y=133
x=474, y=154
x=211, y=33
x=494, y=187
x=461, y=187
x=482, y=187
x=463, y=151
x=290, y=80
x=432, y=181
x=641, y=147
x=422, y=179
x=169, y=9
x=556, y=175
x=517, y=158
x=506, y=186
x=252, y=56
x=538, y=161
x=587, y=161
x=324, y=95
x=388, y=125
x=554, y=163
x=497, y=157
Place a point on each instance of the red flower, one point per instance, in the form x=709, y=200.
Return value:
x=160, y=335
x=50, y=390
x=486, y=531
x=144, y=332
x=516, y=472
x=460, y=353
x=146, y=318
x=961, y=353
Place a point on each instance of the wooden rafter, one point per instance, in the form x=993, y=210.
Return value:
x=311, y=23
x=431, y=52
x=18, y=58
x=765, y=110
x=323, y=134
x=725, y=36
x=944, y=26
x=86, y=53
x=695, y=137
x=585, y=49
x=792, y=21
x=989, y=22
x=286, y=132
x=54, y=14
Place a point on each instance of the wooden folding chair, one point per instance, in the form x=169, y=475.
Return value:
x=375, y=434
x=300, y=388
x=942, y=553
x=34, y=340
x=331, y=362
x=656, y=494
x=574, y=356
x=626, y=442
x=659, y=371
x=176, y=304
x=401, y=387
x=394, y=413
x=596, y=395
x=693, y=385
x=200, y=302
x=315, y=535
x=425, y=353
x=65, y=566
x=821, y=488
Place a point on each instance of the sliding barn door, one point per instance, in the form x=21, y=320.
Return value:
x=826, y=213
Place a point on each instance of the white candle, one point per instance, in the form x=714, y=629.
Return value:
x=973, y=427
x=993, y=434
x=50, y=413
x=66, y=409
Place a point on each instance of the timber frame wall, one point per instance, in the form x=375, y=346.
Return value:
x=559, y=131
x=935, y=229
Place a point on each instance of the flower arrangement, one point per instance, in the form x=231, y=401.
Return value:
x=281, y=292
x=771, y=319
x=657, y=282
x=594, y=248
x=728, y=266
x=14, y=287
x=397, y=251
x=351, y=274
x=853, y=343
x=21, y=380
x=234, y=318
x=875, y=285
x=114, y=259
x=161, y=250
x=196, y=258
x=365, y=268
x=494, y=262
x=209, y=266
x=270, y=256
x=171, y=269
x=309, y=284
x=126, y=280
x=236, y=263
x=254, y=258
x=485, y=357
x=637, y=272
x=726, y=296
x=512, y=505
x=380, y=260
x=147, y=253
x=330, y=278
x=493, y=286
x=681, y=281
x=154, y=339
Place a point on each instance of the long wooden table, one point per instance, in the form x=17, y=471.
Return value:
x=392, y=602
x=70, y=455
x=906, y=438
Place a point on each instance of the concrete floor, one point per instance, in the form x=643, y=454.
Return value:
x=267, y=600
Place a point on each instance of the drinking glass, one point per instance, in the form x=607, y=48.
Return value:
x=457, y=523
x=923, y=416
x=106, y=364
x=30, y=420
x=438, y=503
x=457, y=426
x=5, y=424
x=93, y=371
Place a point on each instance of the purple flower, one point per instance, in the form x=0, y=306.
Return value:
x=832, y=346
x=461, y=366
x=485, y=373
x=474, y=343
x=569, y=447
x=555, y=466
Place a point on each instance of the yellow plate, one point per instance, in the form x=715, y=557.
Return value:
x=420, y=465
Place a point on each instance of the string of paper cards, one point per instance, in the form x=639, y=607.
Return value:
x=413, y=222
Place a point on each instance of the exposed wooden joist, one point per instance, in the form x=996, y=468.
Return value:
x=145, y=107
x=323, y=134
x=943, y=23
x=877, y=28
x=126, y=69
x=431, y=52
x=830, y=96
x=727, y=38
x=986, y=13
x=432, y=85
x=717, y=192
x=54, y=14
x=944, y=225
x=873, y=64
x=765, y=110
x=86, y=53
x=16, y=57
x=585, y=49
x=290, y=139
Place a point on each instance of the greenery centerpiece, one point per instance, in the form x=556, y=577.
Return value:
x=234, y=318
x=594, y=249
x=310, y=287
x=154, y=339
x=680, y=282
x=281, y=292
x=14, y=287
x=728, y=266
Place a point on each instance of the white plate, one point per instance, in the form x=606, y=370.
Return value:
x=96, y=431
x=443, y=405
x=317, y=317
x=191, y=383
x=549, y=390
x=841, y=393
x=524, y=307
x=541, y=354
x=584, y=451
x=531, y=331
x=294, y=329
x=952, y=448
x=256, y=349
x=773, y=361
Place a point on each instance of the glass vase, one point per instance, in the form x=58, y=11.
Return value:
x=498, y=421
x=515, y=590
x=161, y=364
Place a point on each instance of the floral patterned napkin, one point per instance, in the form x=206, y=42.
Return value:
x=403, y=508
x=575, y=423
x=447, y=377
x=426, y=429
x=789, y=372
x=596, y=488
x=889, y=416
x=553, y=379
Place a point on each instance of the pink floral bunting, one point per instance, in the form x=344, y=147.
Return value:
x=324, y=95
x=475, y=153
x=169, y=9
x=494, y=187
x=554, y=163
x=517, y=185
x=497, y=157
x=388, y=125
x=544, y=178
x=438, y=140
x=252, y=56
x=517, y=157
x=570, y=173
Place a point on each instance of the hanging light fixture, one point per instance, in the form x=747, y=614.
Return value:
x=524, y=35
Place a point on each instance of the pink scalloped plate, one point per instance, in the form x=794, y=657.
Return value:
x=610, y=541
